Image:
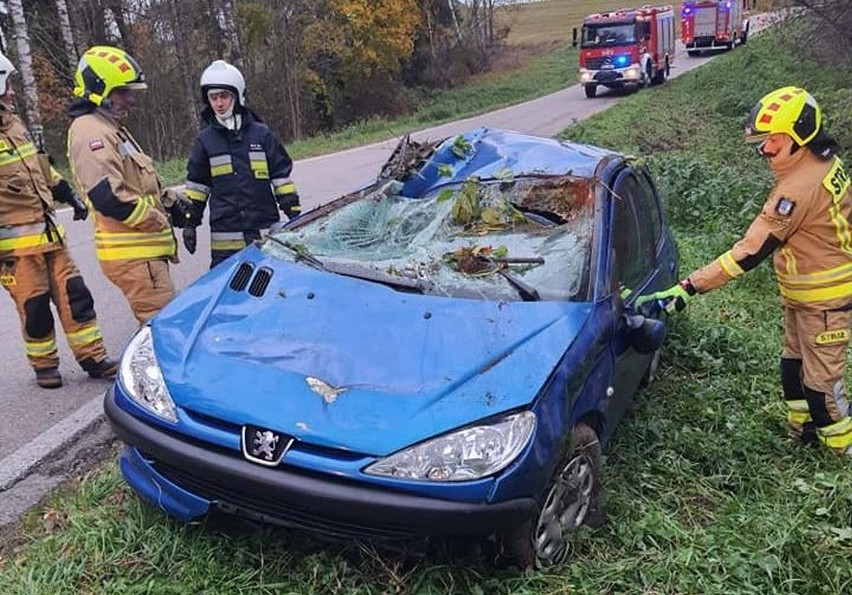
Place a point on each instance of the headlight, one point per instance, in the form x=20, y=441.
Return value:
x=141, y=378
x=585, y=76
x=463, y=455
x=631, y=73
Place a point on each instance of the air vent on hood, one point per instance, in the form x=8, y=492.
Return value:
x=260, y=282
x=241, y=278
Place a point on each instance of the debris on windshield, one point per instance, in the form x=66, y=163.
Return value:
x=407, y=158
x=475, y=260
x=481, y=208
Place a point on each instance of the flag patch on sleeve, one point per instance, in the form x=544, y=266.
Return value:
x=96, y=145
x=784, y=207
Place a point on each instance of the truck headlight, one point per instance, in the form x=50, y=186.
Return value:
x=141, y=378
x=585, y=76
x=464, y=455
x=631, y=73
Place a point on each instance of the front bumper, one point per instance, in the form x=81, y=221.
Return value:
x=187, y=480
x=611, y=77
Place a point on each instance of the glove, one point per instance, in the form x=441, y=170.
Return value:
x=63, y=192
x=81, y=211
x=673, y=299
x=190, y=239
x=289, y=204
x=181, y=213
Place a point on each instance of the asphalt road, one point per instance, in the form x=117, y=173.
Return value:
x=38, y=425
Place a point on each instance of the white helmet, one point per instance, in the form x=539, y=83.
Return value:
x=221, y=75
x=7, y=69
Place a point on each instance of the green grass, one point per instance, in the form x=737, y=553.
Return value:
x=705, y=493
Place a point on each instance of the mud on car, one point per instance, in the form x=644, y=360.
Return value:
x=445, y=351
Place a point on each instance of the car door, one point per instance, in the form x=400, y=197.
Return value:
x=636, y=228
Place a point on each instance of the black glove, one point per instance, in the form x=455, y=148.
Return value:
x=289, y=203
x=182, y=214
x=190, y=239
x=63, y=192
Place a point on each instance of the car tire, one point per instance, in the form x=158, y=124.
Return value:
x=662, y=74
x=573, y=497
x=591, y=91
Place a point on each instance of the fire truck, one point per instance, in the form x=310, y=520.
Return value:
x=713, y=24
x=630, y=46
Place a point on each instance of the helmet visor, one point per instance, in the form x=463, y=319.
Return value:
x=752, y=133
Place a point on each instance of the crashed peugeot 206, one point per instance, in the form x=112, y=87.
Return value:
x=442, y=352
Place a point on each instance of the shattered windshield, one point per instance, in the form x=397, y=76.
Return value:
x=608, y=34
x=528, y=239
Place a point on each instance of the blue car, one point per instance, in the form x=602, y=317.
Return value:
x=442, y=352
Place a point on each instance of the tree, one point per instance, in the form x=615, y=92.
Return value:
x=25, y=67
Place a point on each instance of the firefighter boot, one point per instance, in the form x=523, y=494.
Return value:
x=49, y=378
x=106, y=368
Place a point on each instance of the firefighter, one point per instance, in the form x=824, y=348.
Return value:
x=134, y=240
x=805, y=225
x=35, y=264
x=238, y=165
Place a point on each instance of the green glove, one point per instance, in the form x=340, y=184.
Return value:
x=673, y=299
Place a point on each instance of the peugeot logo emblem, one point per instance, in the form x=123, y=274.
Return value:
x=264, y=446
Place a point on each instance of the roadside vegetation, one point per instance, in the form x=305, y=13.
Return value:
x=706, y=494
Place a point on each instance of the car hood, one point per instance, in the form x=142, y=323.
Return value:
x=350, y=364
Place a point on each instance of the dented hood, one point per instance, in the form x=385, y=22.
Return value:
x=351, y=364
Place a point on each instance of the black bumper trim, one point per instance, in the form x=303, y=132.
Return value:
x=317, y=497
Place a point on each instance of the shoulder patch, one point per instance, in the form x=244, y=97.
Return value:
x=784, y=206
x=836, y=181
x=96, y=145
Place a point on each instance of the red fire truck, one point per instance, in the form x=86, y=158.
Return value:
x=713, y=24
x=630, y=46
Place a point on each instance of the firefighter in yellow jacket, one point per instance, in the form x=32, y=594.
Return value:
x=805, y=225
x=134, y=240
x=35, y=265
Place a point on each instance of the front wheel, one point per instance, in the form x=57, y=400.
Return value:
x=591, y=91
x=574, y=497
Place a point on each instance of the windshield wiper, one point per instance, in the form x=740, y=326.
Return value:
x=527, y=292
x=375, y=275
x=299, y=254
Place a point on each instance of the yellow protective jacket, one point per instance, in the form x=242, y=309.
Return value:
x=805, y=223
x=27, y=223
x=121, y=186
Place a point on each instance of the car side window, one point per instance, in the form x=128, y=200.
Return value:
x=634, y=231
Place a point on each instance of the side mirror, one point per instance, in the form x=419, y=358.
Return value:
x=644, y=334
x=574, y=37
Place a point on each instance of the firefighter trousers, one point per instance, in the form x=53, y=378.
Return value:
x=812, y=374
x=35, y=280
x=145, y=283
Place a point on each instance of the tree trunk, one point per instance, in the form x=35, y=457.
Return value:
x=184, y=60
x=117, y=10
x=25, y=66
x=67, y=33
x=231, y=32
x=451, y=4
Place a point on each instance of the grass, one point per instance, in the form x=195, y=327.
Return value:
x=705, y=493
x=549, y=21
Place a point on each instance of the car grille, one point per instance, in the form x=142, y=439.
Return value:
x=596, y=63
x=276, y=511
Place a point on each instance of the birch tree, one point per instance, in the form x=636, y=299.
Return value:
x=25, y=67
x=184, y=62
x=67, y=33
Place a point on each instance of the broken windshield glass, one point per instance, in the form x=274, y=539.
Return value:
x=527, y=239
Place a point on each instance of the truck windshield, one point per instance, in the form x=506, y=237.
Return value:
x=608, y=35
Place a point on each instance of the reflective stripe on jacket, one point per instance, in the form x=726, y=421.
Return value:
x=122, y=187
x=240, y=173
x=805, y=223
x=26, y=202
